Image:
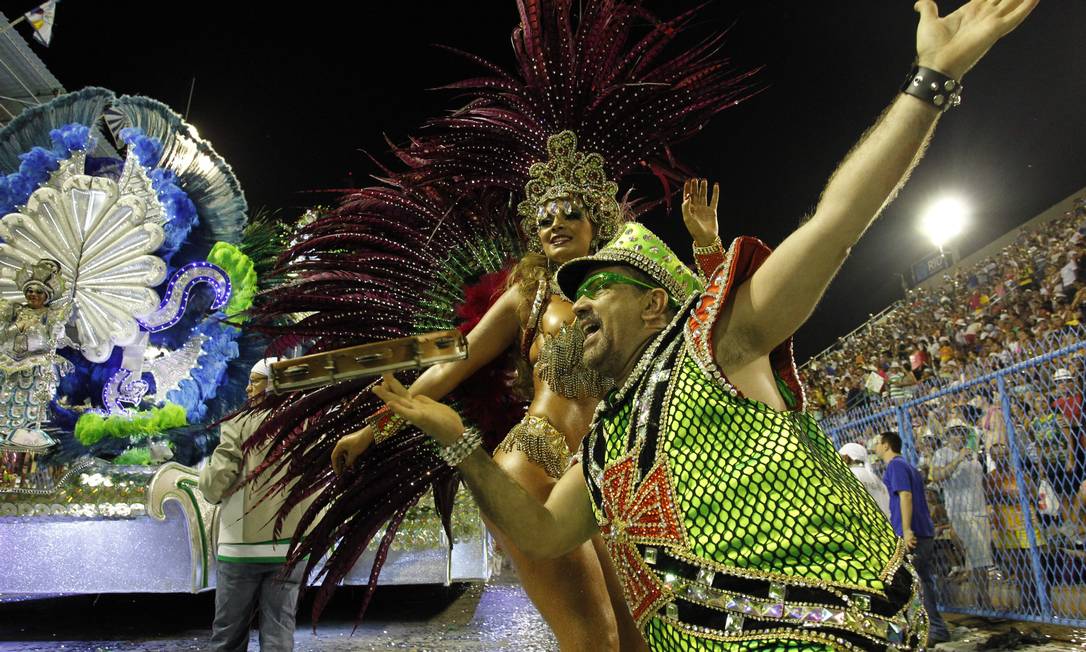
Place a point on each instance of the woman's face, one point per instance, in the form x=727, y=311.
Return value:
x=564, y=229
x=35, y=297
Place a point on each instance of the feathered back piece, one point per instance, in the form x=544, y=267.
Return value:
x=400, y=258
x=376, y=267
x=611, y=75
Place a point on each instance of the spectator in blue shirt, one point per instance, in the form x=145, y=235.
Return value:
x=911, y=520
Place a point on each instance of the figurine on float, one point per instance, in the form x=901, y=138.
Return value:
x=29, y=335
x=118, y=209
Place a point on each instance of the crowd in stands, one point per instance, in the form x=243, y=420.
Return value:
x=1030, y=297
x=988, y=458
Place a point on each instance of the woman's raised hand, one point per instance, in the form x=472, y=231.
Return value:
x=699, y=212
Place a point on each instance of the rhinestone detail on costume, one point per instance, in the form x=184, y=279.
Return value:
x=642, y=514
x=731, y=461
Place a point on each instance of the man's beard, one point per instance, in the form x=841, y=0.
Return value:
x=596, y=358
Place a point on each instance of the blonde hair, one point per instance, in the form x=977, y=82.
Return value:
x=525, y=276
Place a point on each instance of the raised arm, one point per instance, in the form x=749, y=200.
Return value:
x=783, y=292
x=943, y=472
x=541, y=531
x=699, y=216
x=493, y=335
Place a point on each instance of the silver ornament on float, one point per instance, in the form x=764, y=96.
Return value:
x=104, y=241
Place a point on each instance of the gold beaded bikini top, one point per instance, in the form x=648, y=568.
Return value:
x=560, y=364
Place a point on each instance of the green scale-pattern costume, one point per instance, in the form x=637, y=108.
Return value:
x=735, y=526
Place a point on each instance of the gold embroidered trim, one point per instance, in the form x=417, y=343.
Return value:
x=851, y=618
x=797, y=580
x=700, y=340
x=541, y=443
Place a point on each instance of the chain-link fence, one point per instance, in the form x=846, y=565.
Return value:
x=1004, y=454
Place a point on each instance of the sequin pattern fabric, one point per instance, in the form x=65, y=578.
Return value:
x=775, y=485
x=540, y=442
x=756, y=536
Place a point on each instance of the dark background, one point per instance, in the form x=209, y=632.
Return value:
x=292, y=98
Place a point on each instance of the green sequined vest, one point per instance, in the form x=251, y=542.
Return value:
x=735, y=526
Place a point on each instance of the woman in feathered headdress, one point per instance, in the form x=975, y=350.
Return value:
x=590, y=105
x=570, y=207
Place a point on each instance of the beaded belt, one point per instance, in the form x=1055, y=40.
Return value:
x=723, y=604
x=540, y=442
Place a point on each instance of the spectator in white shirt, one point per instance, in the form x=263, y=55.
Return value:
x=1069, y=272
x=958, y=470
x=856, y=457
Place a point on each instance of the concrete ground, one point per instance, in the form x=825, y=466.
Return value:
x=496, y=616
x=981, y=634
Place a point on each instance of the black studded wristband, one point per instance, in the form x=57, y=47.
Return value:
x=933, y=87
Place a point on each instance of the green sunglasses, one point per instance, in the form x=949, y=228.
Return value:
x=598, y=281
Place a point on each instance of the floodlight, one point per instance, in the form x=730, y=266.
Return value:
x=943, y=220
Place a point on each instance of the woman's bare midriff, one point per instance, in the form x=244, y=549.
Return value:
x=578, y=594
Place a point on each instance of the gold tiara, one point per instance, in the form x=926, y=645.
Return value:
x=569, y=173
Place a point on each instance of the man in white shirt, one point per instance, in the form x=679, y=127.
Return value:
x=251, y=572
x=856, y=457
x=957, y=469
x=1069, y=272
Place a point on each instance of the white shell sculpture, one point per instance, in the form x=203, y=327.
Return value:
x=103, y=240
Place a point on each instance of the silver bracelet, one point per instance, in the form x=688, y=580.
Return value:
x=458, y=451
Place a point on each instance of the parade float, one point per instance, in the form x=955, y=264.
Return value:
x=125, y=278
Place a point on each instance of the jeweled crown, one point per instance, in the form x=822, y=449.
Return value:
x=569, y=173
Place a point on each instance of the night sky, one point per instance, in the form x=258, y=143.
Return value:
x=293, y=98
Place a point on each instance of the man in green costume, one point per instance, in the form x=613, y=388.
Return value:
x=731, y=518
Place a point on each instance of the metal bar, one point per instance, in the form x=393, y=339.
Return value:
x=16, y=99
x=962, y=386
x=987, y=378
x=1023, y=500
x=908, y=440
x=188, y=105
x=11, y=25
x=861, y=422
x=7, y=36
x=862, y=419
x=995, y=613
x=448, y=560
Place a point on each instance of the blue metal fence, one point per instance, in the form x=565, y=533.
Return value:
x=1004, y=452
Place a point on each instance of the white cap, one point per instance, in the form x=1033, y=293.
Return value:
x=1062, y=374
x=855, y=452
x=261, y=368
